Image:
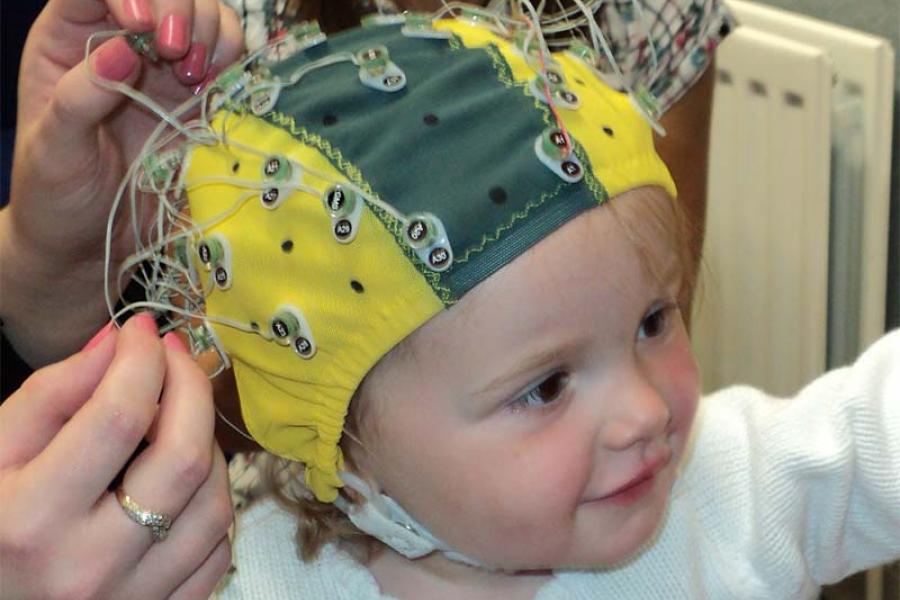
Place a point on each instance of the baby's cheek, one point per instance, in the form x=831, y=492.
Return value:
x=684, y=391
x=529, y=499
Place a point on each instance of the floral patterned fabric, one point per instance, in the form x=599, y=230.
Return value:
x=661, y=45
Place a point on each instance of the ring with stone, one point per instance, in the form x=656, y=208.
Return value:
x=158, y=523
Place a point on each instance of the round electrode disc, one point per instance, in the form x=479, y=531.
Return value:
x=439, y=258
x=343, y=229
x=221, y=277
x=273, y=165
x=417, y=232
x=302, y=346
x=270, y=196
x=571, y=168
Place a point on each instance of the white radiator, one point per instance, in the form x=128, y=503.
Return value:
x=796, y=253
x=862, y=102
x=762, y=311
x=795, y=266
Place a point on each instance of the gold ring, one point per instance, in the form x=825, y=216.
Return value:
x=158, y=523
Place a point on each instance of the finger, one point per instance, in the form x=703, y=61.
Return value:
x=129, y=14
x=79, y=103
x=167, y=473
x=229, y=46
x=32, y=416
x=193, y=67
x=179, y=457
x=207, y=577
x=195, y=533
x=96, y=443
x=173, y=30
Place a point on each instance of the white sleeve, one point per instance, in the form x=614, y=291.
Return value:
x=811, y=483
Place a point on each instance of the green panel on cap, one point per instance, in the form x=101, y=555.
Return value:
x=436, y=150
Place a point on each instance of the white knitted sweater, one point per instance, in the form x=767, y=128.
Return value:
x=776, y=498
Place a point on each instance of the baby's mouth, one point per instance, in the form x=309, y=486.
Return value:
x=638, y=485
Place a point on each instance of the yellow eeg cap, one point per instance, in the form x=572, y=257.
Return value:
x=454, y=151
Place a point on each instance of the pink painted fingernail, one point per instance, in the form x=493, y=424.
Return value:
x=173, y=342
x=146, y=322
x=211, y=75
x=192, y=67
x=98, y=337
x=139, y=10
x=114, y=60
x=173, y=34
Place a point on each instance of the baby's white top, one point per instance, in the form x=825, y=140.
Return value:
x=777, y=497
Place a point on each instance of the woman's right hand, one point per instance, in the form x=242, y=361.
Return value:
x=73, y=143
x=64, y=437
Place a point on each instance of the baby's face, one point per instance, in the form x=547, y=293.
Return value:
x=539, y=422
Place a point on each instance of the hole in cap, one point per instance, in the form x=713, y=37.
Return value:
x=608, y=131
x=254, y=325
x=329, y=120
x=357, y=286
x=287, y=246
x=236, y=166
x=497, y=195
x=430, y=119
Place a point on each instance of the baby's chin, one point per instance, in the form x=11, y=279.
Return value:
x=606, y=559
x=612, y=552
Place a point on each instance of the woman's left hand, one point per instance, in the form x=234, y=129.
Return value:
x=74, y=142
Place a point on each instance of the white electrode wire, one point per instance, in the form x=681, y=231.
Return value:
x=148, y=254
x=598, y=38
x=568, y=26
x=138, y=97
x=128, y=182
x=169, y=308
x=550, y=25
x=331, y=59
x=251, y=184
x=567, y=15
x=229, y=423
x=152, y=144
x=496, y=18
x=329, y=180
x=534, y=31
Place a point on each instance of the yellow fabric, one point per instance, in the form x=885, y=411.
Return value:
x=296, y=407
x=623, y=162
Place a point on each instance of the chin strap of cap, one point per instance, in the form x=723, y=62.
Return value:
x=383, y=518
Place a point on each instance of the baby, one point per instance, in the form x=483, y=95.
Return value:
x=444, y=263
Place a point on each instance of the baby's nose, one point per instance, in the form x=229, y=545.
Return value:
x=637, y=413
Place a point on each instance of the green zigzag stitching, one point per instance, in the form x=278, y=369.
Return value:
x=504, y=75
x=516, y=216
x=355, y=175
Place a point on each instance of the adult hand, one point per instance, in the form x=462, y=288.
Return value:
x=74, y=141
x=64, y=436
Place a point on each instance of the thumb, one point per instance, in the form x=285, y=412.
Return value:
x=79, y=103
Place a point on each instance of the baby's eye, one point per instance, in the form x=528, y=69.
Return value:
x=544, y=393
x=654, y=323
